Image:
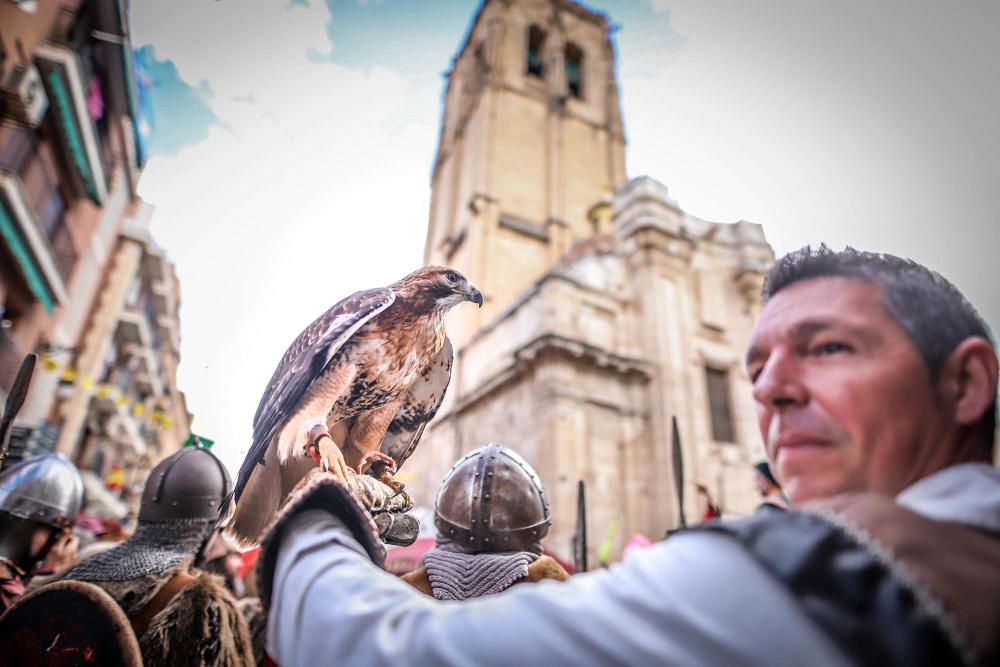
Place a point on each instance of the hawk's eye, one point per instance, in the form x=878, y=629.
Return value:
x=451, y=277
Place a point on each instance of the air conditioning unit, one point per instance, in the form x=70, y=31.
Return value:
x=24, y=93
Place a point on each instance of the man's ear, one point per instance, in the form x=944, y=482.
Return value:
x=969, y=374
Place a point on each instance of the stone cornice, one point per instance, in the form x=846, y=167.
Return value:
x=558, y=273
x=525, y=227
x=527, y=357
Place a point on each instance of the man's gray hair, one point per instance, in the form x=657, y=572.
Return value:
x=931, y=310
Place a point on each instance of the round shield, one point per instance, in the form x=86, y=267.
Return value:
x=68, y=624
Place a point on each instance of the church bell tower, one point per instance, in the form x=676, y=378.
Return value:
x=531, y=144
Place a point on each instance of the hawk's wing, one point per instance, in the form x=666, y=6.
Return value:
x=419, y=407
x=303, y=362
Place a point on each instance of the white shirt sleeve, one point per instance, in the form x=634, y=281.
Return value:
x=697, y=599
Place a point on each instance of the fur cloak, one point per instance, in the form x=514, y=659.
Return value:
x=200, y=627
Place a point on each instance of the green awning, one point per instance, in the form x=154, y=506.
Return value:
x=22, y=253
x=67, y=120
x=63, y=77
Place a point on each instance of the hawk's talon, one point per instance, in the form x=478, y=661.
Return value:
x=321, y=447
x=375, y=458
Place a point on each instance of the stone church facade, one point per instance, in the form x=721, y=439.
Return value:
x=608, y=311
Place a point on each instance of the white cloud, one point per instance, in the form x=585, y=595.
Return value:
x=314, y=190
x=861, y=123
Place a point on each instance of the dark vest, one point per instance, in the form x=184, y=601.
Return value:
x=887, y=585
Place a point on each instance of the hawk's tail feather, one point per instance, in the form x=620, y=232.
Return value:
x=257, y=504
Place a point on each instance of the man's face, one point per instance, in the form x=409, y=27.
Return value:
x=39, y=539
x=844, y=400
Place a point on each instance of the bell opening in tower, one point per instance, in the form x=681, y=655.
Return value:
x=573, y=57
x=536, y=46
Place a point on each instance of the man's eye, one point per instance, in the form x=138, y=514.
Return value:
x=832, y=348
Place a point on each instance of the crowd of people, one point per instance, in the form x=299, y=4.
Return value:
x=877, y=541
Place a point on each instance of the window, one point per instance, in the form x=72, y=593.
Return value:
x=573, y=58
x=718, y=405
x=536, y=49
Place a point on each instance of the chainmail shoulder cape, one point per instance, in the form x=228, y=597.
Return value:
x=154, y=547
x=457, y=575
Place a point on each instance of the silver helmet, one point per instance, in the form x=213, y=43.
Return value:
x=47, y=489
x=492, y=500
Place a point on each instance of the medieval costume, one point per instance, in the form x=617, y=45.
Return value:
x=181, y=616
x=859, y=585
x=41, y=493
x=491, y=515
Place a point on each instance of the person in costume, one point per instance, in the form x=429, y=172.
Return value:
x=875, y=385
x=39, y=501
x=491, y=515
x=181, y=615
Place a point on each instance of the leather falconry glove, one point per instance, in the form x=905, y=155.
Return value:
x=353, y=505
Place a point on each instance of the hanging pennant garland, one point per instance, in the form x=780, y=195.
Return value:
x=107, y=391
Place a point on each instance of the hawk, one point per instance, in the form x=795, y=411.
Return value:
x=356, y=388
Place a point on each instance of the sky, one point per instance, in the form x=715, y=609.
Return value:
x=293, y=142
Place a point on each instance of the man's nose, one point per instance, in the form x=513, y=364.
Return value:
x=779, y=383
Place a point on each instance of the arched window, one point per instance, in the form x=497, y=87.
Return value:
x=573, y=57
x=536, y=48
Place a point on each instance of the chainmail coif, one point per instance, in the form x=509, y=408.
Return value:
x=153, y=548
x=459, y=576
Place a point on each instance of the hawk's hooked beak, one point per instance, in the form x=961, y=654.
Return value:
x=473, y=295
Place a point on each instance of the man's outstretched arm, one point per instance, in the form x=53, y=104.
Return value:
x=698, y=600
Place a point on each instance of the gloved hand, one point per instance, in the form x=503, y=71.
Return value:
x=387, y=507
x=353, y=505
x=375, y=496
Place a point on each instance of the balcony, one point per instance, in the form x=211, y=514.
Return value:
x=168, y=327
x=138, y=338
x=118, y=425
x=120, y=377
x=132, y=328
x=68, y=84
x=22, y=154
x=96, y=33
x=45, y=268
